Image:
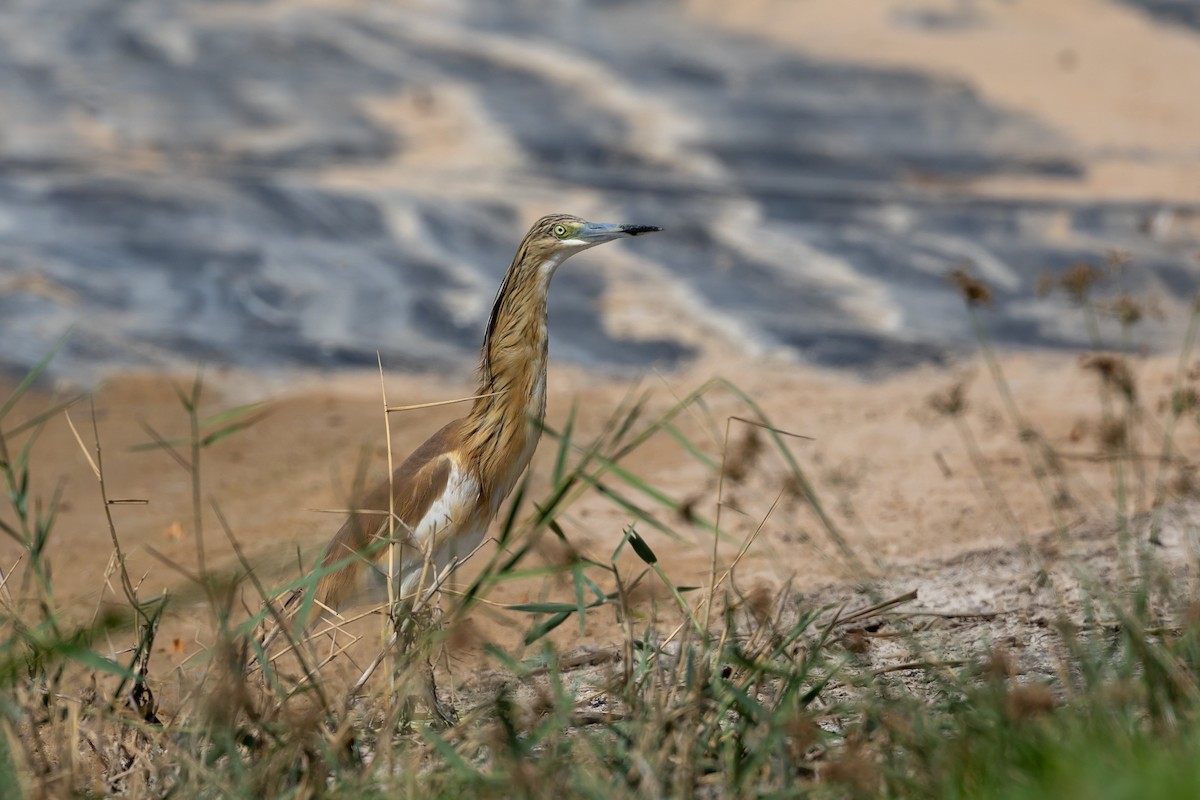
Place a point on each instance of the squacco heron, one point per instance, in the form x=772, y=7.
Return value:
x=446, y=493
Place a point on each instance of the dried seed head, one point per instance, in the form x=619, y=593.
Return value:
x=803, y=731
x=1113, y=371
x=687, y=507
x=1112, y=434
x=741, y=459
x=794, y=488
x=853, y=768
x=1127, y=310
x=1184, y=484
x=856, y=641
x=1078, y=279
x=1030, y=700
x=999, y=664
x=541, y=703
x=898, y=725
x=760, y=602
x=1184, y=400
x=1063, y=499
x=950, y=402
x=974, y=291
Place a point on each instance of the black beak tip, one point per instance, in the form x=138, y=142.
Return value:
x=638, y=230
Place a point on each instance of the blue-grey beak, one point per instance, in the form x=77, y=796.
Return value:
x=596, y=232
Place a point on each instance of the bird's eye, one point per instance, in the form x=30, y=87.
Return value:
x=560, y=231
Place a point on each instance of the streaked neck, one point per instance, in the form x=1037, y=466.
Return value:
x=503, y=427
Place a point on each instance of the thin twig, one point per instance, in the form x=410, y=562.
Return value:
x=391, y=521
x=878, y=608
x=914, y=665
x=438, y=403
x=772, y=428
x=98, y=469
x=955, y=614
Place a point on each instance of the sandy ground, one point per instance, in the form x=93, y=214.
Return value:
x=891, y=471
x=1108, y=76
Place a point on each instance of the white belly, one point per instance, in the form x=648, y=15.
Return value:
x=453, y=527
x=456, y=549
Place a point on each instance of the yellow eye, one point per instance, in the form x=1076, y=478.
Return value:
x=560, y=231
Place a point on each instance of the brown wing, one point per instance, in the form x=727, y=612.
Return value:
x=416, y=483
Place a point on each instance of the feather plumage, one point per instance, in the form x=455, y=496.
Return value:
x=447, y=492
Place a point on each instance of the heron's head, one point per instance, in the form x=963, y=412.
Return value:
x=522, y=294
x=556, y=237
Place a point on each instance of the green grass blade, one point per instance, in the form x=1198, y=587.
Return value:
x=541, y=629
x=41, y=417
x=237, y=413
x=564, y=445
x=692, y=448
x=32, y=376
x=542, y=608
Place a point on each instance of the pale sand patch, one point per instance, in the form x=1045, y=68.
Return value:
x=1111, y=79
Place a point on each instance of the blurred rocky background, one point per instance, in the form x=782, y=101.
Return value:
x=297, y=184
